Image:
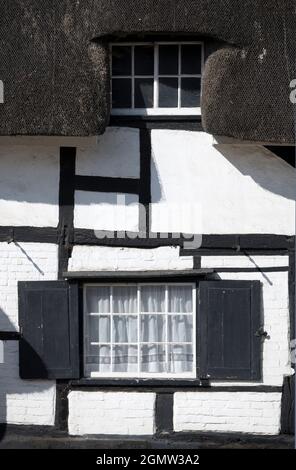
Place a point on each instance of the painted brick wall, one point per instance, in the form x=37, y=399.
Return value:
x=276, y=354
x=23, y=402
x=111, y=413
x=22, y=262
x=256, y=413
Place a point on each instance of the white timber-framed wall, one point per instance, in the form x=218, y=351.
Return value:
x=241, y=189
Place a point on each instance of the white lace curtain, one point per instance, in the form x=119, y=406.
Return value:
x=165, y=317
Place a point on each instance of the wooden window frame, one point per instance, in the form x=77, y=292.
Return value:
x=141, y=375
x=156, y=111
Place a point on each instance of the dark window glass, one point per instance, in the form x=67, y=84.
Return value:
x=168, y=60
x=168, y=92
x=121, y=60
x=190, y=92
x=122, y=93
x=144, y=92
x=191, y=59
x=144, y=60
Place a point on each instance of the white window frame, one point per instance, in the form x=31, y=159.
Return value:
x=156, y=111
x=141, y=375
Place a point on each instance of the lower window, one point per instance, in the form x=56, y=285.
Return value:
x=140, y=330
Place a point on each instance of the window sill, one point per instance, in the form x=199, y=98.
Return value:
x=155, y=113
x=167, y=386
x=189, y=122
x=139, y=383
x=157, y=118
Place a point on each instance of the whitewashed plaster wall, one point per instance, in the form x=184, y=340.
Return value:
x=115, y=154
x=29, y=183
x=87, y=258
x=237, y=188
x=222, y=187
x=106, y=211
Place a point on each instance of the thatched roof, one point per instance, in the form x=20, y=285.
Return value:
x=55, y=67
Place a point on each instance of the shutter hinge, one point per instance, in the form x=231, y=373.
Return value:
x=205, y=377
x=205, y=380
x=262, y=334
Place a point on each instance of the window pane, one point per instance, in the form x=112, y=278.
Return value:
x=180, y=358
x=191, y=59
x=168, y=60
x=99, y=329
x=121, y=60
x=136, y=338
x=144, y=92
x=98, y=299
x=122, y=93
x=152, y=328
x=190, y=92
x=168, y=92
x=125, y=359
x=180, y=299
x=144, y=60
x=180, y=328
x=153, y=299
x=125, y=329
x=153, y=359
x=125, y=299
x=98, y=359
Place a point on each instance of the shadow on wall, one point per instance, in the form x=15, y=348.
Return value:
x=156, y=188
x=29, y=191
x=265, y=168
x=5, y=326
x=12, y=385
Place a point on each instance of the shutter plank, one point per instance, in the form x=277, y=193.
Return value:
x=215, y=325
x=229, y=317
x=49, y=344
x=236, y=344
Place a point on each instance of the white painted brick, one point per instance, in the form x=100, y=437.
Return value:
x=116, y=413
x=246, y=412
x=27, y=262
x=276, y=355
x=23, y=402
x=275, y=289
x=244, y=261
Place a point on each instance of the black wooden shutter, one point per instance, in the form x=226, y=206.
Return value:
x=229, y=320
x=49, y=343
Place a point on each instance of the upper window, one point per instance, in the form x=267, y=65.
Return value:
x=157, y=78
x=140, y=330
